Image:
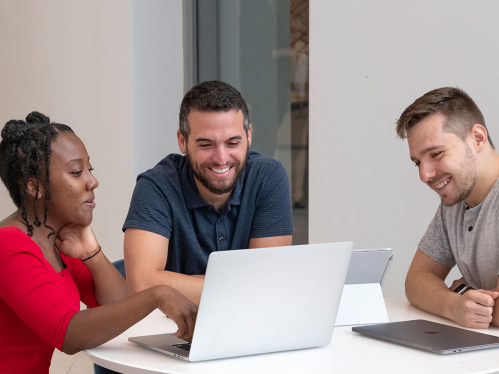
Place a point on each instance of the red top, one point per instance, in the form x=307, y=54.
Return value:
x=36, y=303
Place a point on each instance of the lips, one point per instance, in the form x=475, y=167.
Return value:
x=90, y=203
x=442, y=183
x=220, y=170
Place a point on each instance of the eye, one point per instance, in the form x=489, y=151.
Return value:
x=233, y=144
x=77, y=173
x=416, y=164
x=91, y=169
x=435, y=155
x=204, y=145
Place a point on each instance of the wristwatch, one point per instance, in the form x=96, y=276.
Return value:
x=462, y=288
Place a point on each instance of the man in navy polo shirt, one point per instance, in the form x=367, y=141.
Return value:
x=217, y=197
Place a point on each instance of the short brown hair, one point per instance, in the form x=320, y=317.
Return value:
x=211, y=96
x=460, y=112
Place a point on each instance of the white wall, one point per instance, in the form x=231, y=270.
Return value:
x=368, y=62
x=157, y=80
x=113, y=71
x=70, y=60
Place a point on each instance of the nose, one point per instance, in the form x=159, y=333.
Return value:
x=426, y=172
x=92, y=182
x=220, y=155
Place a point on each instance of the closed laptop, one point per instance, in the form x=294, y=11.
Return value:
x=430, y=336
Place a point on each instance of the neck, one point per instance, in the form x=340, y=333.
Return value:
x=40, y=237
x=488, y=173
x=40, y=233
x=218, y=201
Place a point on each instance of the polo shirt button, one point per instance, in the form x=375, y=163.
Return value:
x=470, y=228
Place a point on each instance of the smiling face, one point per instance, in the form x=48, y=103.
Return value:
x=71, y=182
x=217, y=148
x=446, y=163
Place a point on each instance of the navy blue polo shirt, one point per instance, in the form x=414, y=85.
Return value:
x=166, y=201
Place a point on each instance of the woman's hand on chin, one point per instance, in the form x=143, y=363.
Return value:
x=77, y=241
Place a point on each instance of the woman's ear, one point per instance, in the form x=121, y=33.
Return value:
x=32, y=187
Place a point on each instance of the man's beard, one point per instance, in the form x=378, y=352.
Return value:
x=464, y=180
x=224, y=188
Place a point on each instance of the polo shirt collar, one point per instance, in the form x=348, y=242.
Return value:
x=191, y=194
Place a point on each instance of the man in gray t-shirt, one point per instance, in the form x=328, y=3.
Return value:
x=449, y=143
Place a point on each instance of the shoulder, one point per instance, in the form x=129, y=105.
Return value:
x=264, y=177
x=257, y=160
x=12, y=222
x=13, y=241
x=492, y=199
x=258, y=164
x=265, y=171
x=166, y=171
x=12, y=234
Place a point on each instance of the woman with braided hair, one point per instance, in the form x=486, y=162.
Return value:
x=50, y=258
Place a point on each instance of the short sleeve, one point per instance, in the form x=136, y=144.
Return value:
x=31, y=292
x=273, y=213
x=83, y=280
x=435, y=242
x=149, y=209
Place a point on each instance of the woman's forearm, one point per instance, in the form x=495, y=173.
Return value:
x=93, y=327
x=109, y=284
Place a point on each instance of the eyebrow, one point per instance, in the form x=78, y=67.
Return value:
x=76, y=160
x=426, y=150
x=198, y=140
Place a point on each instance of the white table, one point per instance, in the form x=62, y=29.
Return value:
x=348, y=353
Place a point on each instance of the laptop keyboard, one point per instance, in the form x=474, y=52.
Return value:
x=185, y=346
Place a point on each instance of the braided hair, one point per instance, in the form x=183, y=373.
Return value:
x=25, y=152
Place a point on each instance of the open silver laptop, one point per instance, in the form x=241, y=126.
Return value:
x=430, y=336
x=263, y=300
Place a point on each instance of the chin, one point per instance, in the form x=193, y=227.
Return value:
x=449, y=202
x=84, y=221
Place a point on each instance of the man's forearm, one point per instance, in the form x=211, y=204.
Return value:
x=189, y=286
x=198, y=276
x=428, y=292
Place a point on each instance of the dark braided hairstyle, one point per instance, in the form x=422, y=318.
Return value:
x=25, y=152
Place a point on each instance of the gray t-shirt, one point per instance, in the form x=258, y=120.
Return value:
x=468, y=238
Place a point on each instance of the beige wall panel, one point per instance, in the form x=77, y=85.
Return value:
x=71, y=61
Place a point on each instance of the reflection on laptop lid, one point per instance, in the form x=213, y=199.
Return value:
x=369, y=266
x=264, y=300
x=430, y=336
